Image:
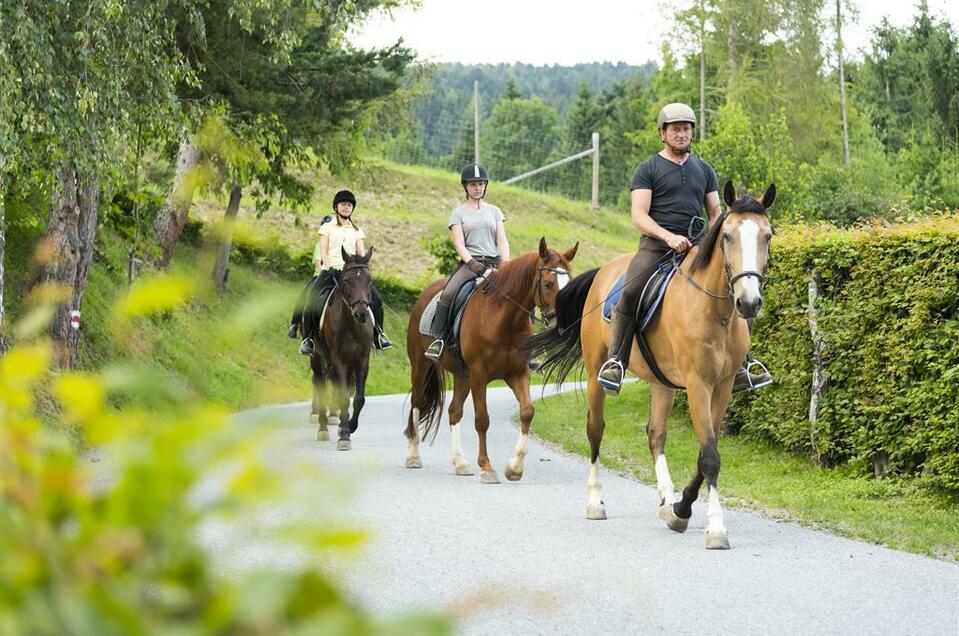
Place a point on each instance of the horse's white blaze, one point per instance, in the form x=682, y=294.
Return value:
x=664, y=483
x=749, y=244
x=593, y=487
x=715, y=512
x=562, y=279
x=456, y=444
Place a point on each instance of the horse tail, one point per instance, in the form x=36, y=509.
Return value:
x=431, y=409
x=560, y=344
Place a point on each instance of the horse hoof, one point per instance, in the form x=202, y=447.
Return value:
x=462, y=469
x=513, y=475
x=674, y=523
x=596, y=512
x=322, y=435
x=489, y=477
x=343, y=444
x=314, y=418
x=717, y=540
x=414, y=462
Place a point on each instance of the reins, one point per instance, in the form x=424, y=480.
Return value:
x=346, y=301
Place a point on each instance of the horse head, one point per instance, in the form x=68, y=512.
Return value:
x=356, y=284
x=552, y=275
x=745, y=234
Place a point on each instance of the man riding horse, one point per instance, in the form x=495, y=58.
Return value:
x=669, y=191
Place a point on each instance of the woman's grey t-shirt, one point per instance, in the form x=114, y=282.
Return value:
x=678, y=190
x=479, y=228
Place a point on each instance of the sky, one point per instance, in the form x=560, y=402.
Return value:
x=540, y=32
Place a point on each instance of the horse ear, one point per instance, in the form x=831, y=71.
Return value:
x=571, y=252
x=769, y=196
x=346, y=257
x=369, y=255
x=729, y=193
x=543, y=250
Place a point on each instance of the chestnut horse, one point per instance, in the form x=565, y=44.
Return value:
x=699, y=340
x=496, y=321
x=341, y=351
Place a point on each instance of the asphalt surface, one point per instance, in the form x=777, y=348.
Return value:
x=522, y=557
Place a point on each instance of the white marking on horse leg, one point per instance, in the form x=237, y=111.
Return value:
x=595, y=508
x=413, y=450
x=715, y=513
x=664, y=483
x=456, y=448
x=514, y=470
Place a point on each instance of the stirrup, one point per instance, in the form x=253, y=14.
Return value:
x=762, y=378
x=435, y=350
x=609, y=386
x=306, y=347
x=382, y=342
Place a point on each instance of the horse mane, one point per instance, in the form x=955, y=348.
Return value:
x=515, y=275
x=744, y=204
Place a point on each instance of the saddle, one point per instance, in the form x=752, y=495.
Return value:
x=456, y=316
x=650, y=301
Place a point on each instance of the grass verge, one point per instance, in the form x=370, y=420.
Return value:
x=758, y=476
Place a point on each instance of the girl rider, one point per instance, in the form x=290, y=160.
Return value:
x=478, y=235
x=345, y=233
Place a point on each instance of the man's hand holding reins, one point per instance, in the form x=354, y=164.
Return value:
x=677, y=243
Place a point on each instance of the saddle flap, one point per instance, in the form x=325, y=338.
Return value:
x=649, y=300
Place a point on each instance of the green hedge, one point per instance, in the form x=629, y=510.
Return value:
x=887, y=318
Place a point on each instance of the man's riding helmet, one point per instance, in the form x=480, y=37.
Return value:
x=474, y=172
x=343, y=195
x=675, y=113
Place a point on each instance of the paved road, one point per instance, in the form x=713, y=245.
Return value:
x=522, y=558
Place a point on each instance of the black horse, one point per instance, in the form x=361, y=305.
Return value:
x=341, y=355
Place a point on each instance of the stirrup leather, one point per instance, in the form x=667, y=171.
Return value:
x=608, y=385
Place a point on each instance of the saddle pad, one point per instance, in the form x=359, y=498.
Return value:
x=462, y=297
x=612, y=297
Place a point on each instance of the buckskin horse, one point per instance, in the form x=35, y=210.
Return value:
x=495, y=322
x=341, y=352
x=698, y=339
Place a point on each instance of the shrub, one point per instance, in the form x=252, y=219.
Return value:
x=888, y=313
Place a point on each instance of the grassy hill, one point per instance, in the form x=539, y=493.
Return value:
x=401, y=208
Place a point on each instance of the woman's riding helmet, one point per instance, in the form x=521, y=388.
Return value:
x=343, y=195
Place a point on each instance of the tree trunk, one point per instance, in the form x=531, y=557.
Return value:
x=71, y=231
x=171, y=218
x=702, y=72
x=221, y=270
x=3, y=251
x=842, y=84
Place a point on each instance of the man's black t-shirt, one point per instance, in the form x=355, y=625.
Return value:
x=678, y=190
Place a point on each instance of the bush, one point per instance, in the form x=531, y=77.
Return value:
x=111, y=547
x=888, y=312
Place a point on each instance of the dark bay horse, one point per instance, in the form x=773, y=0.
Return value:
x=497, y=320
x=341, y=352
x=699, y=340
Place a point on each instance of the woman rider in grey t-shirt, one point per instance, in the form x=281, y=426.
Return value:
x=479, y=237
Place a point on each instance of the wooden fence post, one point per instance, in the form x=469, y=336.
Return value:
x=595, y=200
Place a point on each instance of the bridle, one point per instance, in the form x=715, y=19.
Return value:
x=730, y=278
x=360, y=301
x=539, y=298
